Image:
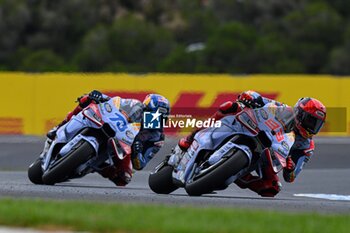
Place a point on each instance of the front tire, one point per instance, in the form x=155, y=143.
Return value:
x=35, y=172
x=66, y=167
x=208, y=182
x=161, y=181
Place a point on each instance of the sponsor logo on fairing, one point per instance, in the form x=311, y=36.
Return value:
x=108, y=107
x=285, y=146
x=264, y=114
x=129, y=134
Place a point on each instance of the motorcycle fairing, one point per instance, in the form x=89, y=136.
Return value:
x=210, y=139
x=69, y=133
x=225, y=149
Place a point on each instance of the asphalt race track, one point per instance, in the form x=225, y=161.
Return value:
x=327, y=173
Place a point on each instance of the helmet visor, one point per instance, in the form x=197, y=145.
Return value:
x=311, y=123
x=163, y=110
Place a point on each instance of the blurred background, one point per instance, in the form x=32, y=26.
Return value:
x=206, y=36
x=197, y=53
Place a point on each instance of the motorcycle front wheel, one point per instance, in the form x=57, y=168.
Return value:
x=35, y=172
x=161, y=180
x=66, y=166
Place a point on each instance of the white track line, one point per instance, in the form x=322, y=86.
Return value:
x=333, y=197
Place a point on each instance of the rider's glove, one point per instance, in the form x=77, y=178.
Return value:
x=96, y=96
x=137, y=147
x=290, y=165
x=251, y=99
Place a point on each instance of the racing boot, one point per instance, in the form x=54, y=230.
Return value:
x=122, y=179
x=267, y=186
x=245, y=181
x=272, y=188
x=52, y=133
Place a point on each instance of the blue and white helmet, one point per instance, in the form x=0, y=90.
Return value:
x=153, y=102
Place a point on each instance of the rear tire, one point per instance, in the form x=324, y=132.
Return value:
x=208, y=182
x=162, y=181
x=35, y=172
x=69, y=163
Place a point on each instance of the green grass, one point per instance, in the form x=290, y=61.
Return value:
x=108, y=217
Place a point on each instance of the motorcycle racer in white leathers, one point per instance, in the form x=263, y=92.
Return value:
x=146, y=143
x=309, y=117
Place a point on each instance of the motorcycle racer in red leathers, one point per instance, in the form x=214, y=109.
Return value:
x=147, y=142
x=309, y=117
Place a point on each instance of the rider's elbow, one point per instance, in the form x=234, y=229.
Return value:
x=288, y=180
x=137, y=164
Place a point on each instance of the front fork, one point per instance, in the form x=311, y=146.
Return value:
x=45, y=156
x=175, y=156
x=176, y=160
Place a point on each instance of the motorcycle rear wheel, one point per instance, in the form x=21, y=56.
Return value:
x=207, y=183
x=61, y=171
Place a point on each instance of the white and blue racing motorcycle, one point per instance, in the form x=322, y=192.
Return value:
x=99, y=136
x=219, y=156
